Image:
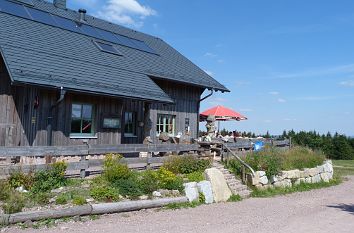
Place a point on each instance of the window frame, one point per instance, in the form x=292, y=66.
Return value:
x=115, y=50
x=163, y=122
x=133, y=122
x=83, y=135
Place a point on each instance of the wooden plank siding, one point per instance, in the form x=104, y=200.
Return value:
x=186, y=106
x=24, y=124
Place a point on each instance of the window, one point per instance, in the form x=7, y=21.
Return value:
x=166, y=124
x=82, y=120
x=108, y=48
x=129, y=123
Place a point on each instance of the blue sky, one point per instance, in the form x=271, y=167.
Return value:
x=289, y=64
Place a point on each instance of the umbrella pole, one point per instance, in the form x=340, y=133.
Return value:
x=218, y=126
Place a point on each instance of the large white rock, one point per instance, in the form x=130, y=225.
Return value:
x=316, y=178
x=292, y=174
x=204, y=187
x=191, y=191
x=274, y=179
x=327, y=166
x=260, y=173
x=263, y=180
x=308, y=180
x=313, y=171
x=221, y=190
x=324, y=177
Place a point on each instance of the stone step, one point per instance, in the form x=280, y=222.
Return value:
x=244, y=193
x=238, y=188
x=234, y=182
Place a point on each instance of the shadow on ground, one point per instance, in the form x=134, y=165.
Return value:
x=344, y=207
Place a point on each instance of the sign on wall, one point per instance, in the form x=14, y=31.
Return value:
x=111, y=123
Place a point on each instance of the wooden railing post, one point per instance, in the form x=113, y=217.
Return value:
x=83, y=166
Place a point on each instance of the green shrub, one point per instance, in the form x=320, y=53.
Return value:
x=302, y=157
x=40, y=198
x=14, y=203
x=62, y=199
x=235, y=198
x=149, y=181
x=185, y=164
x=5, y=190
x=168, y=180
x=102, y=191
x=113, y=169
x=79, y=200
x=201, y=198
x=195, y=177
x=18, y=179
x=52, y=178
x=128, y=187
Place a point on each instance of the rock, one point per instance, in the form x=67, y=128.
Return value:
x=164, y=192
x=283, y=184
x=292, y=174
x=327, y=166
x=175, y=193
x=52, y=200
x=273, y=179
x=58, y=190
x=28, y=223
x=221, y=190
x=316, y=178
x=156, y=194
x=330, y=175
x=77, y=218
x=143, y=197
x=260, y=173
x=313, y=171
x=263, y=180
x=302, y=174
x=89, y=200
x=308, y=180
x=191, y=191
x=324, y=177
x=321, y=169
x=297, y=182
x=21, y=189
x=204, y=187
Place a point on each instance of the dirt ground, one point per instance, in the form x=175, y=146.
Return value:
x=325, y=210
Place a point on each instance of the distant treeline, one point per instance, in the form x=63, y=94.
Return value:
x=335, y=146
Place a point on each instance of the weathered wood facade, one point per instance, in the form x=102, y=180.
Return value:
x=25, y=112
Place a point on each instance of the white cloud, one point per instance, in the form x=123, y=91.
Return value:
x=317, y=72
x=280, y=100
x=349, y=83
x=210, y=55
x=273, y=93
x=126, y=12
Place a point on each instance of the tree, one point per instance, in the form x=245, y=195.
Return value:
x=342, y=148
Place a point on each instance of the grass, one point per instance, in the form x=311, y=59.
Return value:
x=303, y=187
x=185, y=205
x=235, y=198
x=343, y=167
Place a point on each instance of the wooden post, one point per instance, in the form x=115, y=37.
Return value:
x=243, y=175
x=82, y=169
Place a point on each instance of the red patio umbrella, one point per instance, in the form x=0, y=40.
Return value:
x=222, y=113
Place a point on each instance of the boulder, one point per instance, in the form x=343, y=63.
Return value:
x=328, y=167
x=308, y=180
x=260, y=173
x=221, y=190
x=316, y=178
x=191, y=191
x=321, y=168
x=205, y=188
x=283, y=184
x=263, y=180
x=156, y=194
x=313, y=171
x=324, y=177
x=273, y=179
x=292, y=174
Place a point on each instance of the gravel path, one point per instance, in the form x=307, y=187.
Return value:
x=326, y=210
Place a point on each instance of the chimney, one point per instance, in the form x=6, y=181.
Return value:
x=82, y=15
x=60, y=4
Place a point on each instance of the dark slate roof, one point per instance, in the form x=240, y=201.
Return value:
x=40, y=54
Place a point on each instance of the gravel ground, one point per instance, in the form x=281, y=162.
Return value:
x=325, y=210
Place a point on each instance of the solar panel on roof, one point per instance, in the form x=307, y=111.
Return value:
x=141, y=45
x=108, y=36
x=41, y=16
x=66, y=24
x=13, y=9
x=90, y=31
x=57, y=21
x=28, y=2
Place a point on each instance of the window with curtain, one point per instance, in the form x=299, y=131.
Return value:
x=129, y=123
x=166, y=124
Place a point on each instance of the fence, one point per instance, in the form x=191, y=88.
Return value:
x=86, y=166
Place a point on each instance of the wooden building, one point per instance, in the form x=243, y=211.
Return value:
x=67, y=78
